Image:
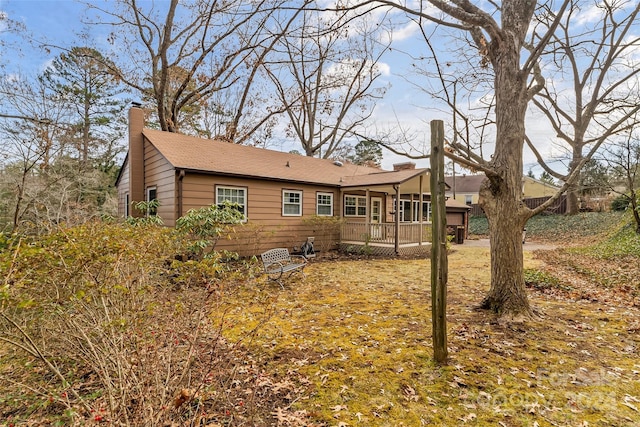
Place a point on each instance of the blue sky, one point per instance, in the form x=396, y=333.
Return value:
x=59, y=21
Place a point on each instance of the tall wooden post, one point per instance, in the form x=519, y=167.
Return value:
x=439, y=262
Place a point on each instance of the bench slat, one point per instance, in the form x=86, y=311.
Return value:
x=278, y=261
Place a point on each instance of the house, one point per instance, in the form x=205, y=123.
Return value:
x=279, y=193
x=466, y=188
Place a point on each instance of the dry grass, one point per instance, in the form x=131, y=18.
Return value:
x=351, y=346
x=359, y=332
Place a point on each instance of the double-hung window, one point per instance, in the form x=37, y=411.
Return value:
x=324, y=204
x=355, y=206
x=291, y=203
x=235, y=195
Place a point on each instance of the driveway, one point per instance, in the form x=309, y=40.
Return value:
x=528, y=246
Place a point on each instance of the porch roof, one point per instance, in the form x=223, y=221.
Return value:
x=386, y=181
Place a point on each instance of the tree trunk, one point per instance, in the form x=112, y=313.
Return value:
x=573, y=200
x=573, y=192
x=636, y=212
x=507, y=295
x=501, y=192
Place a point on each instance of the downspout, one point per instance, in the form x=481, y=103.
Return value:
x=396, y=239
x=180, y=179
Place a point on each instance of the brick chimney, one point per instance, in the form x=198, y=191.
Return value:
x=136, y=157
x=404, y=166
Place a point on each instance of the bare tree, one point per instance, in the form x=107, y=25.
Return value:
x=623, y=158
x=44, y=180
x=324, y=74
x=500, y=47
x=179, y=54
x=30, y=143
x=592, y=87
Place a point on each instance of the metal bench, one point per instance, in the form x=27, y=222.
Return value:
x=278, y=262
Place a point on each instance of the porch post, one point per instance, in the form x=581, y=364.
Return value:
x=368, y=218
x=396, y=238
x=421, y=209
x=340, y=207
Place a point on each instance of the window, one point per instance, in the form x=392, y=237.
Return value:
x=468, y=199
x=355, y=206
x=152, y=195
x=291, y=203
x=236, y=195
x=324, y=204
x=426, y=211
x=409, y=215
x=127, y=203
x=406, y=210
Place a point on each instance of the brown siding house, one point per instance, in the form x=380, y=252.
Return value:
x=278, y=191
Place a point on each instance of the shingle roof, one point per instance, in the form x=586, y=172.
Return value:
x=465, y=183
x=212, y=156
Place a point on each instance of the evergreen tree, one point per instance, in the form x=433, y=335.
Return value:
x=92, y=96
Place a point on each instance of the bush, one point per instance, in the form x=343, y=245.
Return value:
x=326, y=226
x=201, y=228
x=100, y=332
x=620, y=203
x=541, y=280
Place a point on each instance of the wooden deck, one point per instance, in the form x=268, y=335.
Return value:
x=380, y=239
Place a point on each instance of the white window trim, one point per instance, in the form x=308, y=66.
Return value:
x=232, y=187
x=330, y=204
x=299, y=192
x=417, y=212
x=357, y=205
x=127, y=205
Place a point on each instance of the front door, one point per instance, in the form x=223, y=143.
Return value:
x=376, y=217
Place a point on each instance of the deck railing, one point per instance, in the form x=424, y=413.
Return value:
x=409, y=233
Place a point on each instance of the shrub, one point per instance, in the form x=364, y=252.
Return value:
x=201, y=228
x=326, y=226
x=541, y=280
x=148, y=210
x=95, y=311
x=620, y=203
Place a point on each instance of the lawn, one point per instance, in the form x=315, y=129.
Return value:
x=350, y=345
x=359, y=333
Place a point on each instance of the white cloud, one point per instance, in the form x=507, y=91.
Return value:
x=383, y=68
x=589, y=15
x=404, y=32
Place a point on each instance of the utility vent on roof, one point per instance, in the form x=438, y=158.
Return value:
x=337, y=162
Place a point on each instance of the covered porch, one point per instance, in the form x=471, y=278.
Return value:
x=395, y=218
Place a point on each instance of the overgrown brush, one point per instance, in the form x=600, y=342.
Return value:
x=623, y=242
x=558, y=228
x=114, y=329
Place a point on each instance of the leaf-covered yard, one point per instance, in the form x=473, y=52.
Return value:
x=101, y=327
x=359, y=333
